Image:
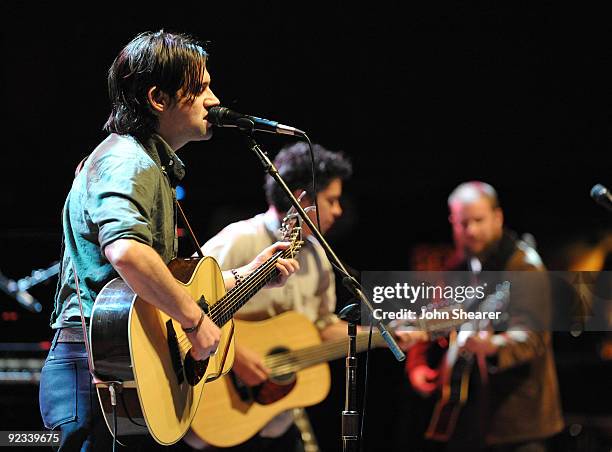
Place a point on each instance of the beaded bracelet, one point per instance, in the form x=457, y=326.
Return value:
x=237, y=276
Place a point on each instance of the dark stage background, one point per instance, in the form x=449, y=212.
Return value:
x=421, y=98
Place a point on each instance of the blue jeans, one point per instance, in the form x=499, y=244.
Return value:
x=68, y=400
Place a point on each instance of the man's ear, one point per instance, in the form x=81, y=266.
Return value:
x=499, y=218
x=158, y=100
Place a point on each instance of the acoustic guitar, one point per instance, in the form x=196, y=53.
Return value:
x=147, y=353
x=231, y=412
x=456, y=368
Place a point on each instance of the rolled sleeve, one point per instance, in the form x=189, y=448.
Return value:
x=120, y=198
x=233, y=247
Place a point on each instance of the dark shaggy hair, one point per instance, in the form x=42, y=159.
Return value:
x=294, y=165
x=169, y=61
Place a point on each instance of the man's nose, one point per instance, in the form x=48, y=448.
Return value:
x=471, y=229
x=338, y=211
x=211, y=100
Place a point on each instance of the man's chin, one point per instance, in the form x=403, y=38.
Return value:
x=474, y=250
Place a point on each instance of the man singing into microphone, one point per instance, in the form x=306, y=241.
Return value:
x=119, y=220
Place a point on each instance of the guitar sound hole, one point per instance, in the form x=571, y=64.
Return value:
x=284, y=378
x=194, y=370
x=278, y=386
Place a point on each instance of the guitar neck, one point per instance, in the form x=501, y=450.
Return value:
x=292, y=361
x=224, y=309
x=495, y=302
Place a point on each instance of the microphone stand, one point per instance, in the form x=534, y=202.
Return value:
x=350, y=415
x=350, y=283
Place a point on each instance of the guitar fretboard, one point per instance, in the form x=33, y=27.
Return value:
x=294, y=360
x=224, y=309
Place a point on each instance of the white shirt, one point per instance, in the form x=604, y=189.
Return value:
x=310, y=291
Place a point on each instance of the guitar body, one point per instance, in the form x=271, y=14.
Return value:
x=228, y=416
x=457, y=367
x=455, y=379
x=136, y=344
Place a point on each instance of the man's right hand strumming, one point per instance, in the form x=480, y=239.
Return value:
x=205, y=340
x=423, y=379
x=142, y=268
x=249, y=366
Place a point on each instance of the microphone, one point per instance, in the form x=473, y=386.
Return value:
x=602, y=196
x=224, y=117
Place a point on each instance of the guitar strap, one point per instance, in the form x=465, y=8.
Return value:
x=318, y=253
x=94, y=378
x=192, y=236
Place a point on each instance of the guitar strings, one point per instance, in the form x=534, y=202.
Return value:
x=238, y=296
x=233, y=299
x=301, y=364
x=294, y=360
x=279, y=358
x=262, y=273
x=229, y=300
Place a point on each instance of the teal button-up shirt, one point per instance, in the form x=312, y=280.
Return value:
x=124, y=191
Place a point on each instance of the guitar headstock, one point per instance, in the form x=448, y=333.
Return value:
x=445, y=320
x=497, y=302
x=291, y=229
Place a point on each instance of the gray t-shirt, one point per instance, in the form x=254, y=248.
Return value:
x=124, y=191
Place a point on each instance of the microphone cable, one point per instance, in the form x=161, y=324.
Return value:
x=367, y=360
x=365, y=388
x=314, y=180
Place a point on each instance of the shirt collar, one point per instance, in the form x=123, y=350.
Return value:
x=272, y=223
x=165, y=157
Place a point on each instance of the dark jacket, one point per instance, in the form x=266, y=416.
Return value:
x=523, y=394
